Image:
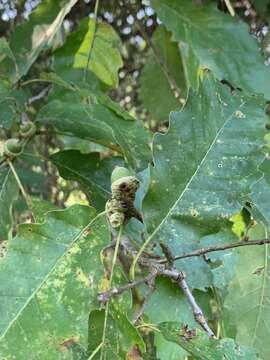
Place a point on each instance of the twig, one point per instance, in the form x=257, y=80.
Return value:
x=150, y=291
x=39, y=96
x=180, y=278
x=105, y=296
x=208, y=249
x=162, y=63
x=24, y=194
x=92, y=42
x=197, y=312
x=118, y=240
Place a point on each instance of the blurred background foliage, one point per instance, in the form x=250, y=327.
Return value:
x=146, y=60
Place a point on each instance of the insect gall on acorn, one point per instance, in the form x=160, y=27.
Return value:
x=120, y=207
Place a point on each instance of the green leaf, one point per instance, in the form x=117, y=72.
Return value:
x=49, y=281
x=199, y=345
x=155, y=91
x=121, y=335
x=260, y=196
x=5, y=51
x=261, y=7
x=8, y=193
x=92, y=172
x=167, y=304
x=40, y=207
x=70, y=60
x=100, y=124
x=220, y=42
x=211, y=153
x=36, y=34
x=248, y=299
x=105, y=58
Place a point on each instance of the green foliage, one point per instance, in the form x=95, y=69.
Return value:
x=129, y=213
x=218, y=41
x=156, y=93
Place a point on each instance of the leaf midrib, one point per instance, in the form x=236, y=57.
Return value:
x=195, y=173
x=44, y=280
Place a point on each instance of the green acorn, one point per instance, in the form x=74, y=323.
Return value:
x=120, y=172
x=28, y=129
x=12, y=147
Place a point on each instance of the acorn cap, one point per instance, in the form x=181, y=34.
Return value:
x=12, y=147
x=120, y=172
x=28, y=129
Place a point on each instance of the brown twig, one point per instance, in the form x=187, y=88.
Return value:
x=151, y=284
x=197, y=311
x=208, y=249
x=105, y=296
x=179, y=277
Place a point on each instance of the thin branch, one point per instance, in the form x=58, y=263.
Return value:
x=197, y=312
x=39, y=96
x=151, y=284
x=180, y=279
x=105, y=296
x=208, y=249
x=92, y=42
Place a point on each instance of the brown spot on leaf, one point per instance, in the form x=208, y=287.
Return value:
x=68, y=343
x=186, y=333
x=134, y=354
x=258, y=271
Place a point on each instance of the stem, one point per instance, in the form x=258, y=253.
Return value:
x=139, y=253
x=24, y=194
x=110, y=285
x=230, y=7
x=208, y=249
x=197, y=311
x=92, y=42
x=95, y=352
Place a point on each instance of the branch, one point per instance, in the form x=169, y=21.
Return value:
x=39, y=96
x=105, y=296
x=179, y=277
x=208, y=249
x=197, y=312
x=150, y=291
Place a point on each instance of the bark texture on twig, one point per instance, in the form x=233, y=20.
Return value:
x=208, y=249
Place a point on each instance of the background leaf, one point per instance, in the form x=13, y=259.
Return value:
x=8, y=193
x=221, y=43
x=50, y=278
x=210, y=170
x=155, y=91
x=92, y=172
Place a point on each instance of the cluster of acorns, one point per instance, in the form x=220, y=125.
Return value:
x=14, y=147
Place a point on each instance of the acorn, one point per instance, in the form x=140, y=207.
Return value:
x=12, y=147
x=28, y=129
x=120, y=172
